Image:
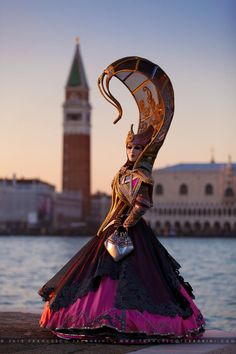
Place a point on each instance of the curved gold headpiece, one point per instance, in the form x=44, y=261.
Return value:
x=153, y=93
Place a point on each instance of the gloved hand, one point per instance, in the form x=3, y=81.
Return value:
x=119, y=220
x=121, y=229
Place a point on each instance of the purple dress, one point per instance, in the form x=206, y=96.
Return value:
x=140, y=299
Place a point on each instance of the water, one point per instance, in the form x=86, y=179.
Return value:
x=208, y=264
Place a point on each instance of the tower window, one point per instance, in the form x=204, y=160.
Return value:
x=159, y=189
x=74, y=116
x=183, y=189
x=208, y=189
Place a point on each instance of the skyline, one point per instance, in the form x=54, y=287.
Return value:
x=38, y=43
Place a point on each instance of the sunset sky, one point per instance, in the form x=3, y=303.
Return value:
x=193, y=41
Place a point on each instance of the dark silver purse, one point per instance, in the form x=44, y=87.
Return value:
x=119, y=245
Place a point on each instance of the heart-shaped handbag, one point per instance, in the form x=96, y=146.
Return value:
x=119, y=244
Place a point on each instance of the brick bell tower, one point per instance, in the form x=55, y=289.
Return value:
x=76, y=137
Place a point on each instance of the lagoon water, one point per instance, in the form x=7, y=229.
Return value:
x=209, y=264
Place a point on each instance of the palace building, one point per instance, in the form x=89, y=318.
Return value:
x=194, y=199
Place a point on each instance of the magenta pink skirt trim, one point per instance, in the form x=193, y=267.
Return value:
x=97, y=310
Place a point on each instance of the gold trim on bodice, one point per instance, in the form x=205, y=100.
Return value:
x=125, y=188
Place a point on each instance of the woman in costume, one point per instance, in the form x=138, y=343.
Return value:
x=123, y=286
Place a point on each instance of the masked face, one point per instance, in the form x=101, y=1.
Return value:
x=133, y=151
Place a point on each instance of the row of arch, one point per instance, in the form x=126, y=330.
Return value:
x=195, y=229
x=184, y=190
x=195, y=211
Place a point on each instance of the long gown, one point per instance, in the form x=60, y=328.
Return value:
x=140, y=299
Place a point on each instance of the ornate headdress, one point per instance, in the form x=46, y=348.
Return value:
x=153, y=93
x=141, y=138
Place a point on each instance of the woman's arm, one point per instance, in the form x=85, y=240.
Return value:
x=142, y=203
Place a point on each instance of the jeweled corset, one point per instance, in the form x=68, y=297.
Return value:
x=130, y=190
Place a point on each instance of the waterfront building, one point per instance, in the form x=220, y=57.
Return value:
x=194, y=199
x=25, y=204
x=76, y=134
x=101, y=203
x=68, y=212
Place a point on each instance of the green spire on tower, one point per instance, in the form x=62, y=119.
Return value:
x=77, y=75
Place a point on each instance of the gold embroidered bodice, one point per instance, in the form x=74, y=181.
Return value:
x=131, y=196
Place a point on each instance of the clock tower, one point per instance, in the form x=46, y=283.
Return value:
x=76, y=134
